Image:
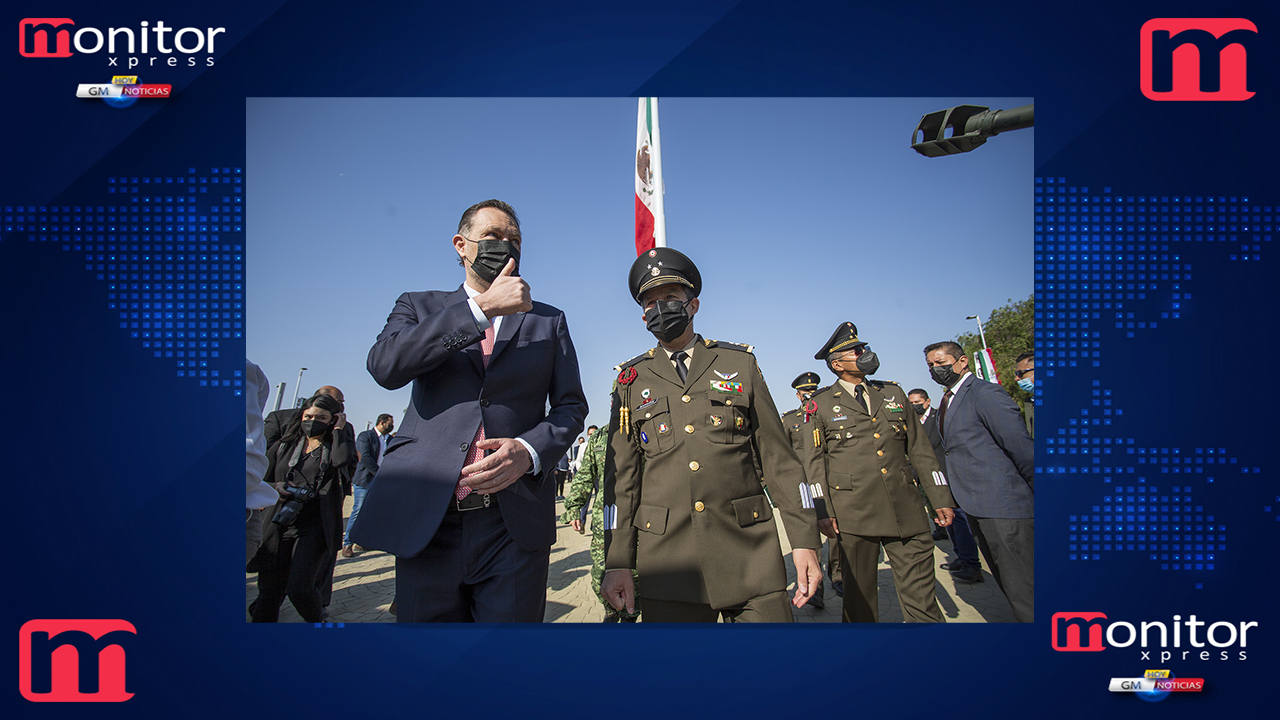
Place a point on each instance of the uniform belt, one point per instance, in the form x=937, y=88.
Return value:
x=473, y=501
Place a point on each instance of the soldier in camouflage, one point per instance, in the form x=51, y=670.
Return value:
x=589, y=477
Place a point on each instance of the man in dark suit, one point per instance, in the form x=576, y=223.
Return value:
x=992, y=471
x=370, y=444
x=274, y=425
x=463, y=498
x=966, y=567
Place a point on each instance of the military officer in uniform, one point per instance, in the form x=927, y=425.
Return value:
x=863, y=439
x=805, y=385
x=690, y=420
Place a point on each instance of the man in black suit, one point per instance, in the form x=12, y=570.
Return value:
x=370, y=444
x=966, y=567
x=274, y=425
x=992, y=471
x=463, y=499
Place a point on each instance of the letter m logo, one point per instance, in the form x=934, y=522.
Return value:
x=40, y=37
x=1196, y=58
x=74, y=660
x=1077, y=632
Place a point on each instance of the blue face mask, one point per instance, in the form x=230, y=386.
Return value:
x=1027, y=384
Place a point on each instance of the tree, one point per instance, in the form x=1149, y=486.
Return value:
x=1010, y=332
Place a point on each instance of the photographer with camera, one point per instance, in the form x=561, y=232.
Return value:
x=304, y=469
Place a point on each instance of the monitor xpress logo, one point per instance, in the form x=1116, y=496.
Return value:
x=74, y=660
x=1084, y=632
x=1196, y=58
x=127, y=47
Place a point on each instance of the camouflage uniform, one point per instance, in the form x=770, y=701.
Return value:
x=590, y=476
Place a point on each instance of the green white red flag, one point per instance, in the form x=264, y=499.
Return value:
x=651, y=222
x=984, y=365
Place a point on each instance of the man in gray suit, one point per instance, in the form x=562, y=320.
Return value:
x=991, y=464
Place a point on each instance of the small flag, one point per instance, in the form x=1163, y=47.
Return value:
x=651, y=222
x=984, y=366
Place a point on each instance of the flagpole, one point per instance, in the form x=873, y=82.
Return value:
x=980, y=331
x=660, y=215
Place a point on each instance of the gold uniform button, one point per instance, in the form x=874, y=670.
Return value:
x=694, y=467
x=728, y=402
x=648, y=415
x=699, y=506
x=688, y=429
x=685, y=399
x=648, y=525
x=880, y=453
x=876, y=436
x=884, y=471
x=755, y=514
x=873, y=419
x=837, y=487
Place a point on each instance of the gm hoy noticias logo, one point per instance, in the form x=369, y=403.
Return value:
x=1179, y=639
x=145, y=45
x=1196, y=58
x=74, y=660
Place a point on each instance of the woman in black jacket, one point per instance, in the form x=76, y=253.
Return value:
x=303, y=468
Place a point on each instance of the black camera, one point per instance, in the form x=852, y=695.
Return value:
x=297, y=496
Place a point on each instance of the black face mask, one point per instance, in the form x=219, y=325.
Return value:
x=944, y=375
x=314, y=428
x=868, y=363
x=919, y=408
x=667, y=319
x=492, y=256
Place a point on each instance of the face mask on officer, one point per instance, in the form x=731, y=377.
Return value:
x=1027, y=384
x=667, y=319
x=868, y=363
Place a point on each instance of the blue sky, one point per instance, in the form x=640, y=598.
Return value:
x=800, y=213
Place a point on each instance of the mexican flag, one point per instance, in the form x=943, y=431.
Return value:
x=651, y=223
x=984, y=365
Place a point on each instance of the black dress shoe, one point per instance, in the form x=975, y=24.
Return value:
x=968, y=575
x=953, y=565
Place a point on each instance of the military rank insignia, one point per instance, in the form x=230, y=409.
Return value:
x=726, y=387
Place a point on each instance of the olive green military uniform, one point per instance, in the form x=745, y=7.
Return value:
x=793, y=423
x=589, y=474
x=861, y=457
x=683, y=498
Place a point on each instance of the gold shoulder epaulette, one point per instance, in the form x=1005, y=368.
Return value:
x=732, y=346
x=623, y=366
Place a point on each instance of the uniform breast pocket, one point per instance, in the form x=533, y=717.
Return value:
x=727, y=421
x=653, y=423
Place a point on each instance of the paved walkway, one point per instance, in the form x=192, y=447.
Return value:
x=364, y=586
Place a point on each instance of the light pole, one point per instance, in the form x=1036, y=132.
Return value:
x=981, y=334
x=295, y=388
x=279, y=395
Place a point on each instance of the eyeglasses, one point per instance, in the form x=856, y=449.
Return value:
x=512, y=241
x=1019, y=373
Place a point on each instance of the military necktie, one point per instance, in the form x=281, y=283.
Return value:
x=681, y=370
x=860, y=392
x=475, y=453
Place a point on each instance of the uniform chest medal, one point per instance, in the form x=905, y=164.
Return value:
x=662, y=427
x=739, y=423
x=722, y=376
x=726, y=387
x=716, y=421
x=645, y=393
x=644, y=436
x=892, y=406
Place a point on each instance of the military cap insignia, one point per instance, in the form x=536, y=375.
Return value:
x=653, y=253
x=654, y=272
x=628, y=376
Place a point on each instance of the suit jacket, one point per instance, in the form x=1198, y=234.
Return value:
x=682, y=488
x=431, y=340
x=368, y=445
x=930, y=426
x=863, y=464
x=989, y=454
